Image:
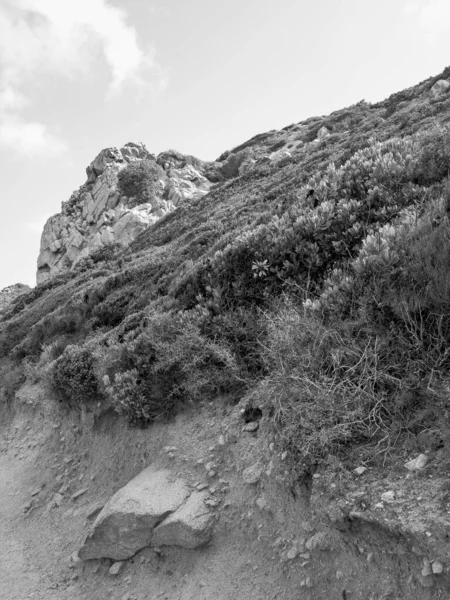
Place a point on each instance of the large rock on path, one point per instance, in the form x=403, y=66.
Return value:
x=126, y=523
x=152, y=509
x=189, y=526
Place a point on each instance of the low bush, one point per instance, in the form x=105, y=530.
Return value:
x=165, y=365
x=325, y=388
x=11, y=378
x=138, y=179
x=73, y=377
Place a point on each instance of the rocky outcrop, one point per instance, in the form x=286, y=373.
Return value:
x=98, y=214
x=439, y=88
x=8, y=294
x=154, y=509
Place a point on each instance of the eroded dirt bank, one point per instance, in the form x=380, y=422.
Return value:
x=267, y=544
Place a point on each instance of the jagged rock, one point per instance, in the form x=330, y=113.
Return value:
x=190, y=526
x=252, y=474
x=97, y=214
x=100, y=162
x=126, y=523
x=417, y=463
x=439, y=88
x=278, y=156
x=323, y=133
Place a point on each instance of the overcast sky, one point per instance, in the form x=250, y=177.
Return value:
x=199, y=76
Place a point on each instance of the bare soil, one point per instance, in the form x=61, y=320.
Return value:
x=270, y=541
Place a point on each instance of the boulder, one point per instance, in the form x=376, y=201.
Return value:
x=439, y=88
x=323, y=133
x=125, y=525
x=190, y=526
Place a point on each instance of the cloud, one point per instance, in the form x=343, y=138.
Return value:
x=433, y=16
x=65, y=39
x=30, y=139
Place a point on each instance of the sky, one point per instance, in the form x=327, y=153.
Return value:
x=198, y=76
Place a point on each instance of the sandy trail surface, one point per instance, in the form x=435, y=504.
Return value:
x=19, y=578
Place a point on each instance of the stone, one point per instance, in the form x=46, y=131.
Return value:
x=126, y=523
x=437, y=567
x=319, y=541
x=439, y=88
x=116, y=568
x=251, y=427
x=261, y=503
x=426, y=569
x=292, y=553
x=417, y=463
x=79, y=493
x=57, y=499
x=189, y=527
x=388, y=496
x=323, y=133
x=252, y=475
x=359, y=471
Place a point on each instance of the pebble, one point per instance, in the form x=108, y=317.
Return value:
x=79, y=493
x=388, y=496
x=359, y=471
x=261, y=503
x=417, y=463
x=292, y=553
x=437, y=567
x=426, y=569
x=252, y=474
x=251, y=427
x=116, y=568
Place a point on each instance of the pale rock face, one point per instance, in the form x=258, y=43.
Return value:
x=439, y=88
x=154, y=508
x=189, y=526
x=323, y=133
x=97, y=214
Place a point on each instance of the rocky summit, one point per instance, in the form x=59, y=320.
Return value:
x=98, y=214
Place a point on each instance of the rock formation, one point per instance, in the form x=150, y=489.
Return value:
x=8, y=294
x=154, y=509
x=98, y=214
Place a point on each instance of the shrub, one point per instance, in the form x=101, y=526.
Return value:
x=138, y=179
x=11, y=378
x=165, y=365
x=325, y=386
x=73, y=376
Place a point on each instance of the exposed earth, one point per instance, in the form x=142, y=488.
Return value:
x=268, y=542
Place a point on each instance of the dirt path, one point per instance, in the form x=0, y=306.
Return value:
x=18, y=578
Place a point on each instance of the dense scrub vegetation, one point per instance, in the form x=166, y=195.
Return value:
x=319, y=287
x=138, y=180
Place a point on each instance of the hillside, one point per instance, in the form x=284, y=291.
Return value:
x=284, y=307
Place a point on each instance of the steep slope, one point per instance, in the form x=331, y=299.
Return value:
x=309, y=287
